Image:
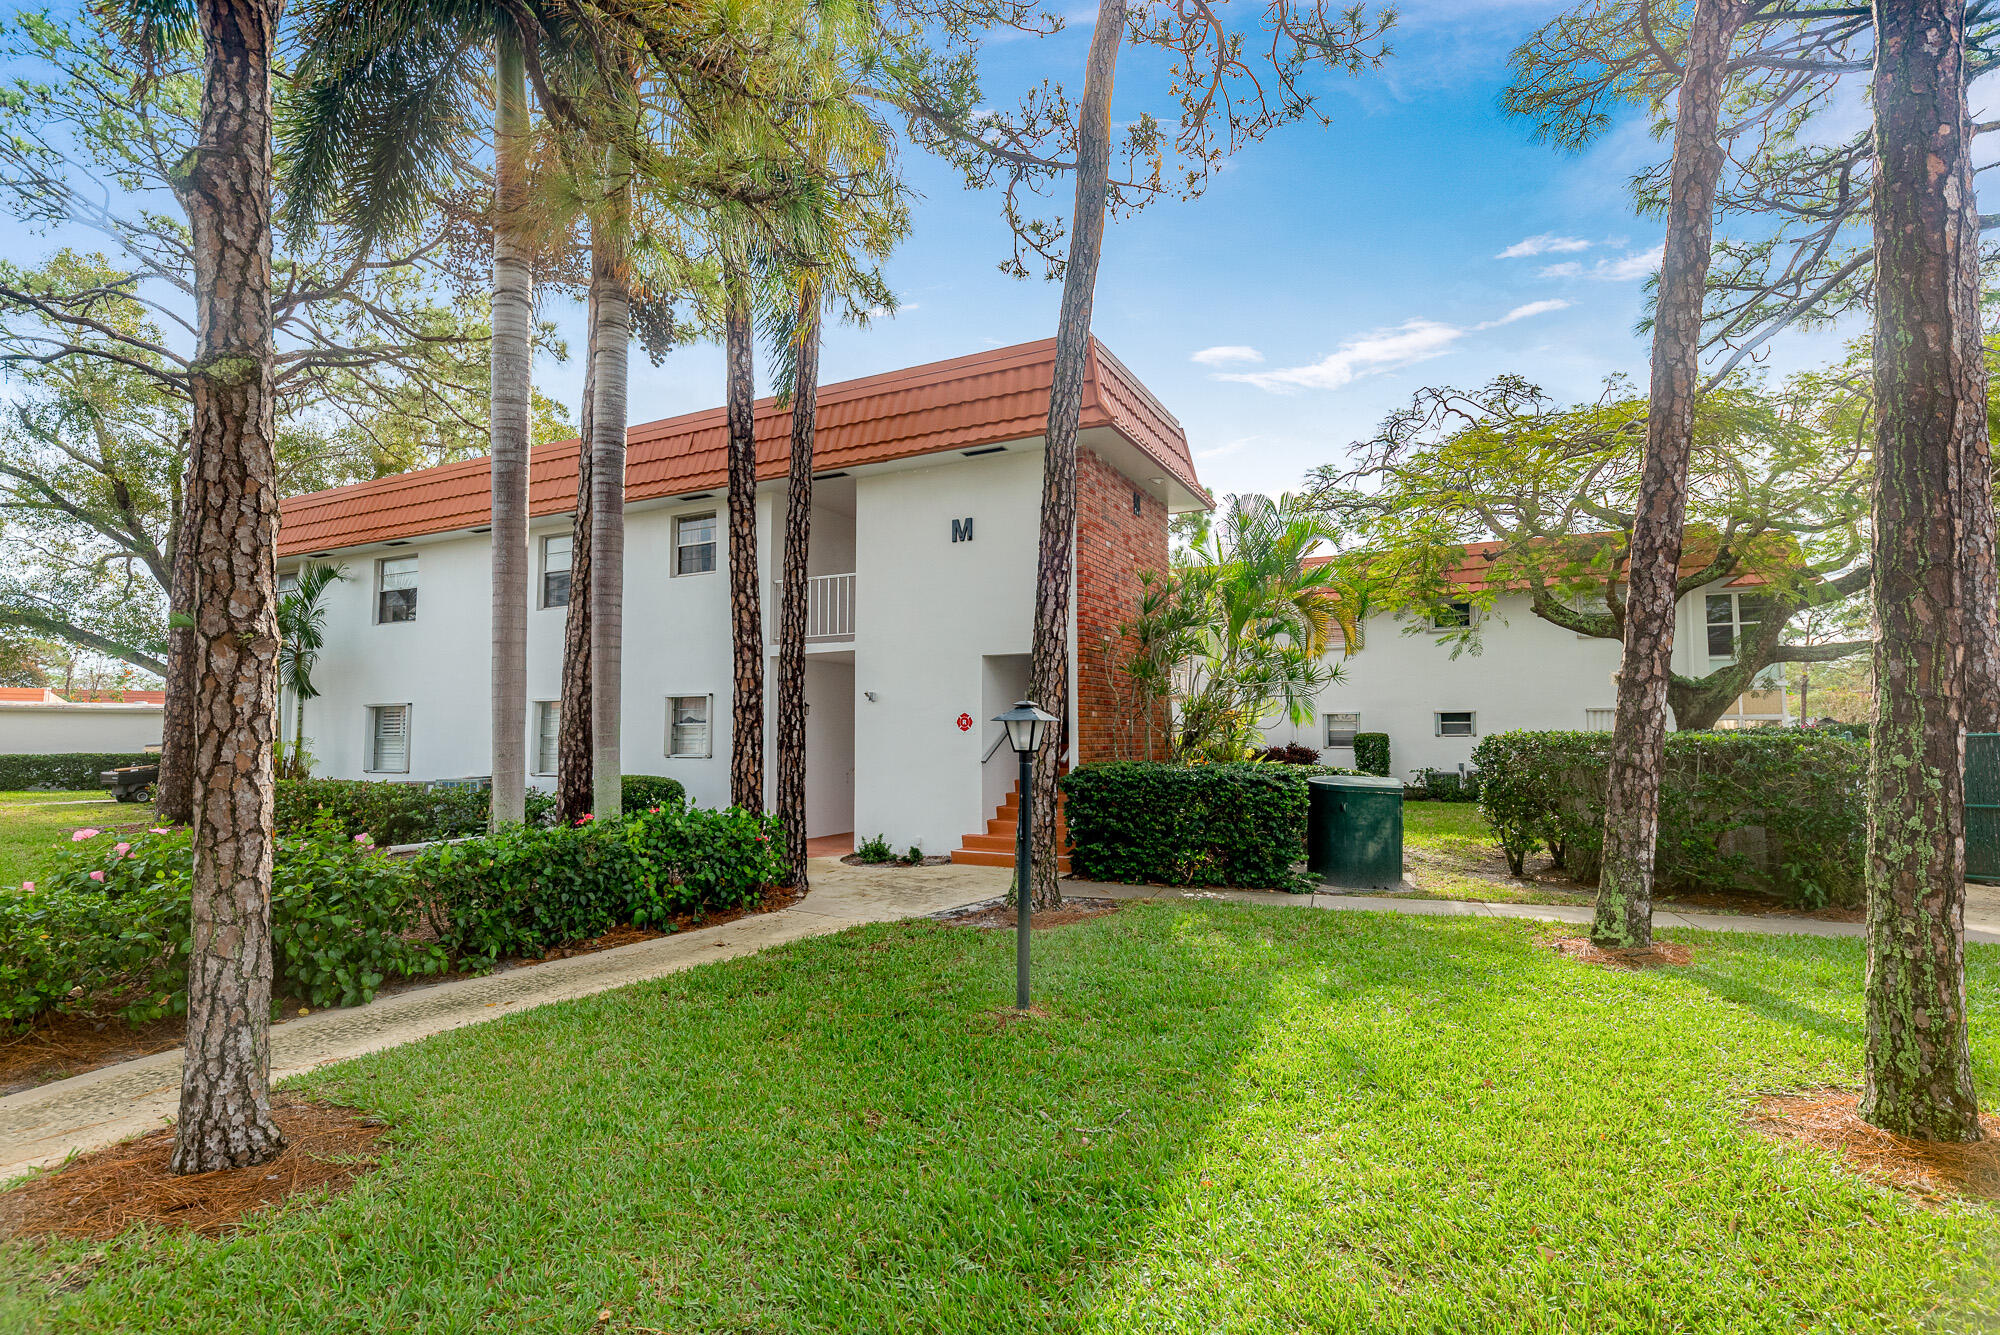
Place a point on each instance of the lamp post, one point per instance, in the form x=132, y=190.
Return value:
x=1027, y=729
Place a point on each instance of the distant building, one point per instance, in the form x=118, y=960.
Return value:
x=1402, y=679
x=39, y=721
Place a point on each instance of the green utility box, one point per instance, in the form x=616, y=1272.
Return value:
x=1982, y=808
x=1354, y=831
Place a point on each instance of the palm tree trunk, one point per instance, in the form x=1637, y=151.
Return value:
x=1048, y=674
x=1929, y=380
x=512, y=357
x=173, y=793
x=746, y=719
x=611, y=341
x=225, y=1106
x=1639, y=731
x=792, y=598
x=573, y=751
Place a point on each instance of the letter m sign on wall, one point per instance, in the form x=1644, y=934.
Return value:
x=961, y=530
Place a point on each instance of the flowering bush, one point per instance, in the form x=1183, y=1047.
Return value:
x=107, y=932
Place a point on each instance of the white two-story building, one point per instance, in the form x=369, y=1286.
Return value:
x=925, y=513
x=1401, y=677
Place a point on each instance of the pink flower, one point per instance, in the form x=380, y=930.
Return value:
x=82, y=835
x=121, y=850
x=586, y=818
x=28, y=886
x=364, y=838
x=160, y=829
x=97, y=876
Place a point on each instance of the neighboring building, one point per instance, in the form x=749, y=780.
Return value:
x=925, y=515
x=39, y=721
x=1402, y=679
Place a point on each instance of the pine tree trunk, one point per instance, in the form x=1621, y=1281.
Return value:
x=746, y=718
x=573, y=752
x=1928, y=379
x=173, y=793
x=792, y=598
x=1048, y=674
x=1639, y=732
x=611, y=342
x=225, y=1106
x=512, y=356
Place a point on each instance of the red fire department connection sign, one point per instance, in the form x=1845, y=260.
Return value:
x=965, y=723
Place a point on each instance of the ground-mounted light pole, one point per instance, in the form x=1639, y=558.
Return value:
x=1027, y=729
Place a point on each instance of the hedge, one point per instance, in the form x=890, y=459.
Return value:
x=107, y=932
x=67, y=771
x=391, y=812
x=1238, y=825
x=1371, y=753
x=527, y=890
x=1775, y=810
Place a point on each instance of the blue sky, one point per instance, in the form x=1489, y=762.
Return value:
x=1359, y=261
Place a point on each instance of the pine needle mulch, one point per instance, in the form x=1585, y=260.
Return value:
x=99, y=1195
x=1659, y=955
x=1827, y=1118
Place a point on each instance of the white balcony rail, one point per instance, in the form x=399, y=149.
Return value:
x=830, y=607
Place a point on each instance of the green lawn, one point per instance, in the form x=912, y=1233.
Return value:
x=1232, y=1119
x=31, y=823
x=1453, y=828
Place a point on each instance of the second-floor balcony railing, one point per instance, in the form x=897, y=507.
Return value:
x=830, y=607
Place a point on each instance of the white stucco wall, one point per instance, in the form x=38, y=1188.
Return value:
x=928, y=613
x=930, y=610
x=1527, y=673
x=40, y=730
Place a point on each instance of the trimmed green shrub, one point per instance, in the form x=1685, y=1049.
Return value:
x=1443, y=785
x=68, y=771
x=528, y=889
x=1371, y=753
x=391, y=812
x=1775, y=810
x=640, y=792
x=1240, y=825
x=108, y=930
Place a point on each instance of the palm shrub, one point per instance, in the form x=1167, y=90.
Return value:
x=1237, y=633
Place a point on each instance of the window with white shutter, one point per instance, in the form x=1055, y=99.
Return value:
x=548, y=726
x=687, y=726
x=389, y=739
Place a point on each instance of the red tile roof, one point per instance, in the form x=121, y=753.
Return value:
x=43, y=695
x=962, y=403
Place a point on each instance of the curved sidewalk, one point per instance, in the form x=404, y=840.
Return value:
x=47, y=1124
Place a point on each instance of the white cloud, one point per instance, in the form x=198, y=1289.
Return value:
x=1528, y=311
x=1621, y=270
x=1227, y=353
x=1381, y=351
x=1226, y=448
x=1548, y=243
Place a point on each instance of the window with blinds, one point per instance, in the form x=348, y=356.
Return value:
x=396, y=589
x=1340, y=729
x=687, y=726
x=389, y=739
x=694, y=544
x=555, y=569
x=548, y=734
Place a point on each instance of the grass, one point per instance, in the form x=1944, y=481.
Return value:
x=1230, y=1119
x=32, y=823
x=1453, y=829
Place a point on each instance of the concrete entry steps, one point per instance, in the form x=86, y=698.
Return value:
x=995, y=848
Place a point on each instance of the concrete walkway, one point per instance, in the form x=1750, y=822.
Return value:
x=45, y=1125
x=1979, y=927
